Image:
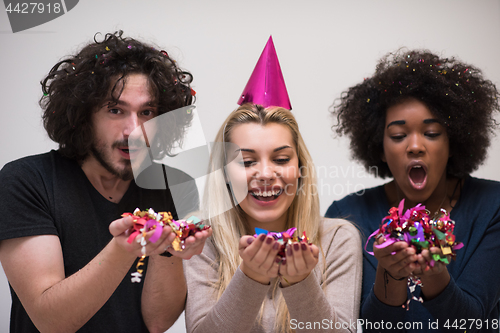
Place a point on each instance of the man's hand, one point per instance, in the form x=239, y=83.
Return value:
x=193, y=245
x=120, y=229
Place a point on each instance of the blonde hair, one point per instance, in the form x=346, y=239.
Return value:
x=230, y=226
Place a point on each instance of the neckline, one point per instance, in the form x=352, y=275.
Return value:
x=457, y=204
x=96, y=193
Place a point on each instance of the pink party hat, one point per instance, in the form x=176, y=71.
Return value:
x=266, y=86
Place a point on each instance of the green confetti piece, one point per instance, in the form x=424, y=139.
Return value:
x=420, y=244
x=438, y=257
x=439, y=234
x=194, y=219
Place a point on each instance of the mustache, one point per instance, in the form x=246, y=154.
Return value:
x=120, y=143
x=129, y=143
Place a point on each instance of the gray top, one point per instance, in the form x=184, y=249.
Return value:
x=327, y=299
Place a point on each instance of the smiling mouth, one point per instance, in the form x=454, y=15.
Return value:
x=267, y=195
x=417, y=175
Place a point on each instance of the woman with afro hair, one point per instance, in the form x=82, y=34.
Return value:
x=425, y=121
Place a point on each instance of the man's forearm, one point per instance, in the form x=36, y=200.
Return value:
x=164, y=293
x=55, y=303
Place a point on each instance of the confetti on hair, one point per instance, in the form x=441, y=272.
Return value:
x=148, y=220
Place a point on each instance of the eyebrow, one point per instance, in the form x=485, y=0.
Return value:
x=253, y=151
x=403, y=122
x=110, y=103
x=396, y=122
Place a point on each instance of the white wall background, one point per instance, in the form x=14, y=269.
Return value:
x=323, y=46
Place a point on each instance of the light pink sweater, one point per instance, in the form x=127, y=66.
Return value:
x=328, y=298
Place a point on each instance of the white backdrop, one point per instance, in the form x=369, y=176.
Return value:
x=323, y=47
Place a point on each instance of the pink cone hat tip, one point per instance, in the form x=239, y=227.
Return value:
x=266, y=85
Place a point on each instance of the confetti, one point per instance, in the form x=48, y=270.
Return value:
x=420, y=231
x=148, y=220
x=285, y=238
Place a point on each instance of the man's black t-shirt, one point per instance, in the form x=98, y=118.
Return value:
x=49, y=194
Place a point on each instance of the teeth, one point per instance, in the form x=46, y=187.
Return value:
x=266, y=194
x=417, y=166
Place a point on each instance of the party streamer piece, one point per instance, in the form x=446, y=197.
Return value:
x=285, y=238
x=149, y=220
x=420, y=231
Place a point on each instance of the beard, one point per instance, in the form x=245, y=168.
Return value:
x=102, y=155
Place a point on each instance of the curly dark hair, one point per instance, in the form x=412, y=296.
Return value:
x=456, y=94
x=76, y=86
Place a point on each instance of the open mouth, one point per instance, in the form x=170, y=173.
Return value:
x=417, y=175
x=267, y=195
x=127, y=152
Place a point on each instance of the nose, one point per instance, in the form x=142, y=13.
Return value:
x=130, y=123
x=265, y=172
x=415, y=144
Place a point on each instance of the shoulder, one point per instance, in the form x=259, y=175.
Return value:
x=485, y=186
x=479, y=201
x=36, y=164
x=32, y=171
x=28, y=162
x=340, y=245
x=339, y=231
x=28, y=188
x=365, y=208
x=333, y=225
x=363, y=199
x=480, y=195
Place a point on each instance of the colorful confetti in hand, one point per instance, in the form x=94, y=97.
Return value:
x=420, y=231
x=149, y=220
x=285, y=238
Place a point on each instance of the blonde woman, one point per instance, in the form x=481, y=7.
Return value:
x=238, y=283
